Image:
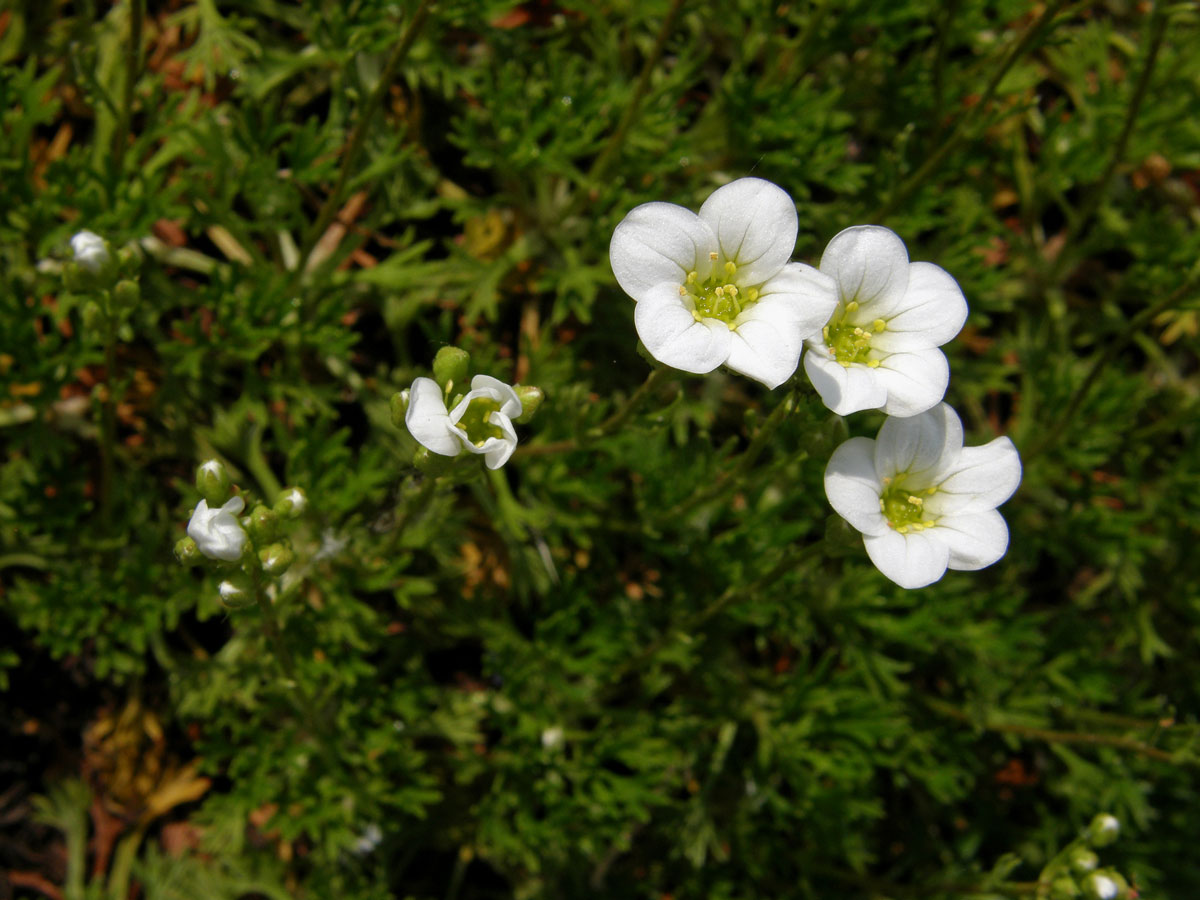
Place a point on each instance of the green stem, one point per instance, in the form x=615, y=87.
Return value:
x=283, y=653
x=133, y=65
x=333, y=202
x=788, y=562
x=602, y=162
x=122, y=864
x=933, y=163
x=1051, y=736
x=732, y=475
x=108, y=422
x=1158, y=30
x=1135, y=325
x=609, y=425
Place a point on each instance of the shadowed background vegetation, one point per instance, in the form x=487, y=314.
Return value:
x=644, y=664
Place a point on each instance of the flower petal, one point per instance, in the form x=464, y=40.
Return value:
x=496, y=451
x=755, y=223
x=808, y=295
x=911, y=560
x=932, y=312
x=674, y=337
x=980, y=479
x=659, y=242
x=427, y=419
x=915, y=381
x=975, y=539
x=870, y=265
x=918, y=446
x=843, y=389
x=510, y=403
x=852, y=486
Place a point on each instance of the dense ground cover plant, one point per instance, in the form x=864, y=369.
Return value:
x=640, y=655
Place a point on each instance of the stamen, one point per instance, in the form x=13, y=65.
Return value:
x=682, y=291
x=873, y=363
x=731, y=290
x=712, y=254
x=719, y=290
x=691, y=278
x=851, y=306
x=730, y=269
x=879, y=325
x=914, y=500
x=752, y=294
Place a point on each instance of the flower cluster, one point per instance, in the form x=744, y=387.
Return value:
x=719, y=288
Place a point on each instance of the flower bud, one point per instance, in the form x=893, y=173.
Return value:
x=91, y=252
x=399, y=408
x=451, y=365
x=93, y=318
x=1063, y=888
x=291, y=503
x=126, y=296
x=129, y=262
x=212, y=481
x=276, y=559
x=236, y=592
x=1083, y=860
x=263, y=525
x=1106, y=884
x=531, y=398
x=187, y=552
x=1103, y=830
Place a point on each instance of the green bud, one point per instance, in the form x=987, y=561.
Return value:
x=93, y=318
x=237, y=592
x=1083, y=860
x=126, y=296
x=1103, y=830
x=1063, y=888
x=291, y=503
x=263, y=525
x=1106, y=884
x=431, y=463
x=212, y=481
x=841, y=538
x=187, y=552
x=129, y=262
x=531, y=398
x=399, y=408
x=451, y=365
x=276, y=559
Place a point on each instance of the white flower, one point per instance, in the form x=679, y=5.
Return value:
x=717, y=288
x=922, y=500
x=481, y=422
x=217, y=532
x=880, y=348
x=90, y=251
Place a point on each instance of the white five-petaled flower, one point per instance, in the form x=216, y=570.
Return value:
x=880, y=347
x=217, y=532
x=923, y=501
x=717, y=288
x=90, y=251
x=481, y=422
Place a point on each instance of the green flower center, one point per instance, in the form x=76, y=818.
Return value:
x=718, y=296
x=475, y=422
x=904, y=508
x=850, y=343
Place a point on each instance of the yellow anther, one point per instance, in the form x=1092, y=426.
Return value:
x=844, y=362
x=851, y=306
x=932, y=491
x=915, y=500
x=903, y=529
x=928, y=523
x=882, y=505
x=879, y=325
x=696, y=315
x=752, y=294
x=873, y=363
x=825, y=333
x=886, y=481
x=480, y=443
x=731, y=289
x=730, y=268
x=917, y=526
x=720, y=290
x=859, y=332
x=712, y=254
x=682, y=291
x=691, y=278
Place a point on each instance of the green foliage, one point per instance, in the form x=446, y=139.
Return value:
x=642, y=659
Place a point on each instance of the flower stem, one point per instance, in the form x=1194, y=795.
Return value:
x=108, y=422
x=133, y=65
x=1051, y=736
x=611, y=424
x=729, y=480
x=332, y=202
x=283, y=653
x=604, y=160
x=933, y=163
